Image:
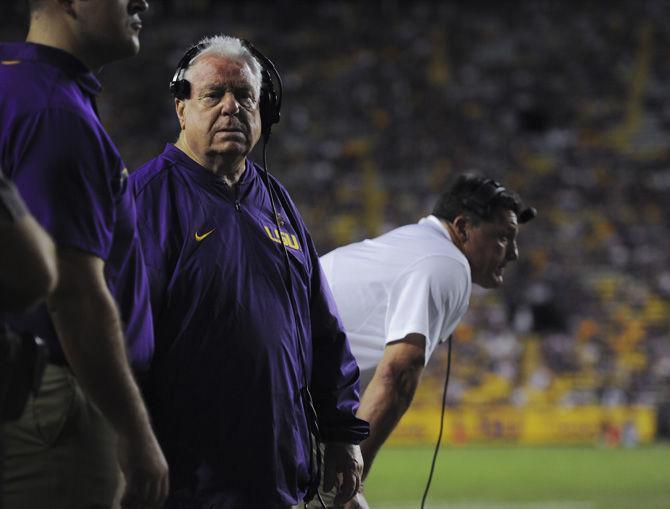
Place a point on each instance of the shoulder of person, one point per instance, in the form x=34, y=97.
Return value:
x=151, y=176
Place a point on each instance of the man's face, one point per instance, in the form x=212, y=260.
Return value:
x=489, y=246
x=109, y=29
x=221, y=119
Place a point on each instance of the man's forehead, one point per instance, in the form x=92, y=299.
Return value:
x=505, y=219
x=508, y=218
x=212, y=69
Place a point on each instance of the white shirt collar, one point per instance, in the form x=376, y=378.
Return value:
x=437, y=225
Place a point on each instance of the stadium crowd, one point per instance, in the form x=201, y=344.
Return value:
x=384, y=101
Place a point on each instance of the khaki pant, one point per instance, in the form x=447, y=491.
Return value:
x=61, y=453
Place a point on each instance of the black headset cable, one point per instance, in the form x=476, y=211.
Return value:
x=439, y=436
x=305, y=394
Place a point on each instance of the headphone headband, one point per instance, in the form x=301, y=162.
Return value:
x=180, y=88
x=271, y=96
x=481, y=201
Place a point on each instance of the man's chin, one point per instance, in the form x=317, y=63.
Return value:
x=230, y=149
x=491, y=282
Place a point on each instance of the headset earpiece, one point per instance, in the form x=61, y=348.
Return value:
x=527, y=214
x=180, y=87
x=271, y=95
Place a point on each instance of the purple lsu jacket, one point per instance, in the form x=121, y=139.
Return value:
x=225, y=387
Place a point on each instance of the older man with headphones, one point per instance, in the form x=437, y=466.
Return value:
x=252, y=365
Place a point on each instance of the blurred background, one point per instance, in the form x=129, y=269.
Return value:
x=559, y=395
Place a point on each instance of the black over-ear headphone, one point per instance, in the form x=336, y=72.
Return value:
x=271, y=85
x=180, y=87
x=481, y=201
x=270, y=99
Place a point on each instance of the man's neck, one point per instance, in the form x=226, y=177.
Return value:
x=453, y=234
x=231, y=179
x=52, y=31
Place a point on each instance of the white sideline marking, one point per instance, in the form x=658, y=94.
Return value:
x=496, y=505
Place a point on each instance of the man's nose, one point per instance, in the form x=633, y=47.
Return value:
x=229, y=104
x=138, y=6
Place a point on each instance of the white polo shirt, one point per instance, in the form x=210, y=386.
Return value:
x=410, y=280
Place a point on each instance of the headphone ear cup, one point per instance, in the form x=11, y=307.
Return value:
x=273, y=107
x=265, y=106
x=180, y=89
x=268, y=105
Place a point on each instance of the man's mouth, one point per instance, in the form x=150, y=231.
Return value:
x=230, y=130
x=136, y=24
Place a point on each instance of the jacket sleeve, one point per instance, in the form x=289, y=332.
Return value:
x=153, y=207
x=335, y=373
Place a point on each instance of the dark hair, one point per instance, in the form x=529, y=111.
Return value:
x=481, y=198
x=34, y=5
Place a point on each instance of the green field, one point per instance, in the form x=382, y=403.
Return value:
x=523, y=477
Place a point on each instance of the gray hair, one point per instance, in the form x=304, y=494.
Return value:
x=234, y=49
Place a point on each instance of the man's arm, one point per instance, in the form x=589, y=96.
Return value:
x=390, y=392
x=27, y=264
x=89, y=328
x=27, y=257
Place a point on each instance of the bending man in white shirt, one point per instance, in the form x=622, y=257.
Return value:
x=402, y=293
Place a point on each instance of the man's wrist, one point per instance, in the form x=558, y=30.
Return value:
x=12, y=207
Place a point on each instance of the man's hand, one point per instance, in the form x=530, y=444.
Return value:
x=146, y=474
x=343, y=469
x=358, y=502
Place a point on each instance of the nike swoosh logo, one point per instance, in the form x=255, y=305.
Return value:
x=200, y=238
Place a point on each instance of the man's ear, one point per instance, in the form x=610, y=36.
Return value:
x=462, y=225
x=179, y=106
x=68, y=6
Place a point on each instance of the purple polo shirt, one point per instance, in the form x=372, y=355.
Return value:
x=226, y=380
x=68, y=171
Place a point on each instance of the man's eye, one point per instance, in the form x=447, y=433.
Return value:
x=247, y=101
x=210, y=98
